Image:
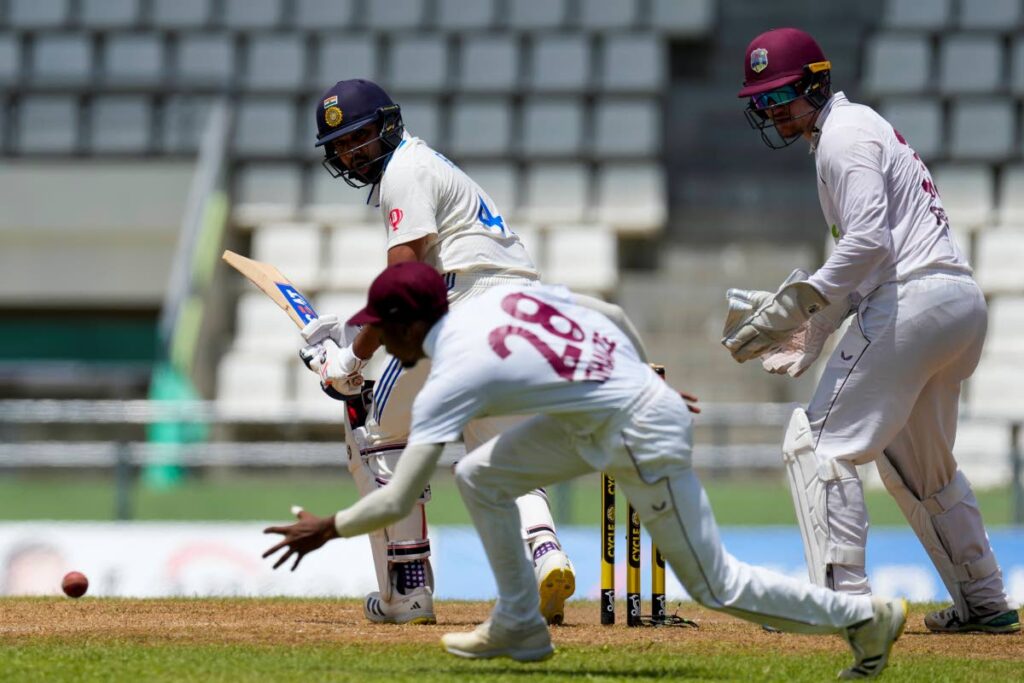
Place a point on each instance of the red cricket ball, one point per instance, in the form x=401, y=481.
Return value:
x=75, y=584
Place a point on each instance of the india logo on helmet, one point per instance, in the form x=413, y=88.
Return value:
x=759, y=60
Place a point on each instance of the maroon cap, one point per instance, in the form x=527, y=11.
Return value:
x=403, y=293
x=779, y=57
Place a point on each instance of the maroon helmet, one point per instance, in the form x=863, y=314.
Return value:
x=780, y=66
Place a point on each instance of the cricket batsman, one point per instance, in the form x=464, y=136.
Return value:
x=889, y=392
x=435, y=214
x=597, y=406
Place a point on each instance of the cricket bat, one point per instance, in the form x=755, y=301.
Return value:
x=275, y=285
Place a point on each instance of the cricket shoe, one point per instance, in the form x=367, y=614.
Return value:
x=414, y=607
x=527, y=644
x=948, y=621
x=871, y=640
x=556, y=580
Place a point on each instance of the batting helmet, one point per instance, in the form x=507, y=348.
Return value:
x=783, y=65
x=347, y=107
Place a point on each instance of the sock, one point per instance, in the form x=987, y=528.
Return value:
x=543, y=548
x=411, y=575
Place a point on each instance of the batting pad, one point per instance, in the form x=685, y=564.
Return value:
x=808, y=484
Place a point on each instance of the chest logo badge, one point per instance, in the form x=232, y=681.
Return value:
x=395, y=217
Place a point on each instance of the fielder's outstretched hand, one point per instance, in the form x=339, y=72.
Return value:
x=303, y=537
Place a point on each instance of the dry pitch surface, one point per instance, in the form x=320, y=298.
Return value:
x=282, y=639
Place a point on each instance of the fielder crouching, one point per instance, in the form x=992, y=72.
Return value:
x=597, y=406
x=889, y=393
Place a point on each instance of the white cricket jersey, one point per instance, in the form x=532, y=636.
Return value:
x=525, y=350
x=880, y=203
x=423, y=193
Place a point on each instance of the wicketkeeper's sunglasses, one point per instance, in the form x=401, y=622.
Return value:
x=774, y=98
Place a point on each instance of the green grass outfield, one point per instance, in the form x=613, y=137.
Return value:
x=264, y=497
x=280, y=640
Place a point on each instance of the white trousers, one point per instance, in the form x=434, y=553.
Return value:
x=396, y=390
x=891, y=389
x=646, y=447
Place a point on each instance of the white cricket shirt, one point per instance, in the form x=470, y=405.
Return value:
x=525, y=350
x=423, y=193
x=880, y=203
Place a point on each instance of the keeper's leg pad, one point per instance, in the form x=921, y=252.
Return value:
x=403, y=541
x=950, y=528
x=810, y=484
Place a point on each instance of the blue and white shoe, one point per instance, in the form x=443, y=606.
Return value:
x=948, y=621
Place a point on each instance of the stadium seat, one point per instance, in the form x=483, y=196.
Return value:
x=395, y=15
x=10, y=59
x=106, y=14
x=993, y=383
x=631, y=197
x=917, y=14
x=552, y=127
x=323, y=15
x=61, y=59
x=181, y=13
x=488, y=64
x=422, y=118
x=919, y=121
x=246, y=378
x=333, y=202
x=582, y=257
x=264, y=126
x=556, y=193
x=342, y=304
x=275, y=62
x=526, y=15
x=465, y=15
x=682, y=17
x=1011, y=195
x=293, y=248
x=480, y=127
x=184, y=121
x=47, y=124
x=1017, y=67
x=897, y=63
x=997, y=15
x=607, y=15
x=418, y=64
x=968, y=194
x=355, y=255
x=501, y=183
x=204, y=59
x=983, y=129
x=633, y=63
x=261, y=326
x=533, y=240
x=970, y=64
x=980, y=451
x=1005, y=337
x=267, y=192
x=559, y=63
x=120, y=124
x=133, y=59
x=251, y=14
x=997, y=261
x=343, y=56
x=630, y=128
x=34, y=14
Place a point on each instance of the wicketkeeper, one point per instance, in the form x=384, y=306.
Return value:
x=890, y=391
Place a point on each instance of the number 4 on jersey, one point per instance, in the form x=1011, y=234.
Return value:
x=495, y=222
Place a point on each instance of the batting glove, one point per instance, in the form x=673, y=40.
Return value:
x=339, y=368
